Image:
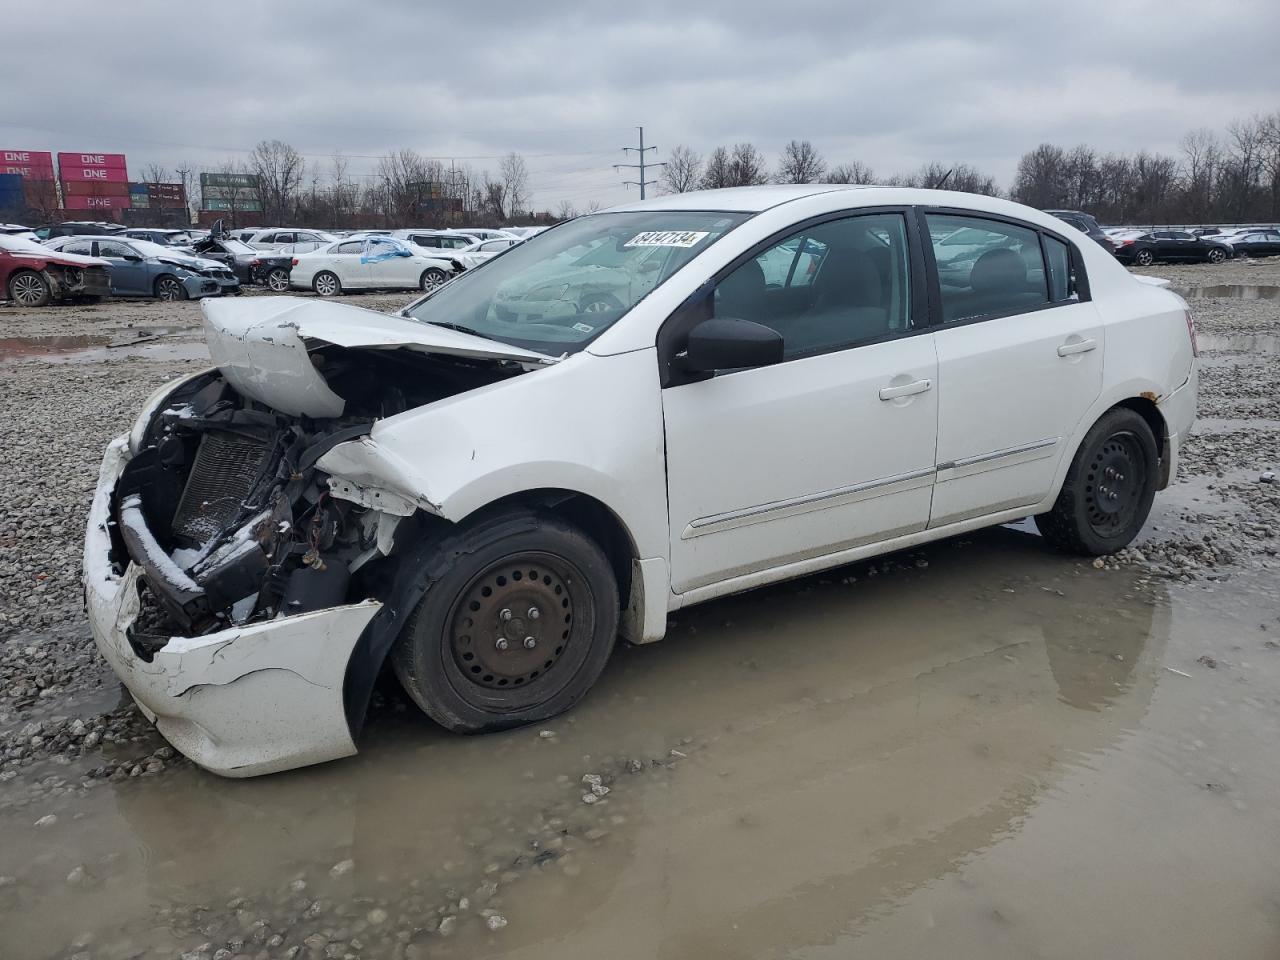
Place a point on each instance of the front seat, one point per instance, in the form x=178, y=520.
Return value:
x=848, y=304
x=741, y=295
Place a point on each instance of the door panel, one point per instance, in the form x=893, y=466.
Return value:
x=800, y=459
x=1011, y=393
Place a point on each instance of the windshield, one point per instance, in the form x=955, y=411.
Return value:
x=560, y=289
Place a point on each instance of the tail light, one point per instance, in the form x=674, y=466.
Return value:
x=295, y=261
x=1191, y=332
x=1126, y=243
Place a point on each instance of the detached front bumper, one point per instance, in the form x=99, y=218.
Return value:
x=198, y=286
x=247, y=700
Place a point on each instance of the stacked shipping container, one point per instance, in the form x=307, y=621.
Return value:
x=94, y=181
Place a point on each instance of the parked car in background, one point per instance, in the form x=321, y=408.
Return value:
x=1170, y=246
x=370, y=263
x=514, y=494
x=480, y=251
x=487, y=233
x=33, y=275
x=270, y=268
x=140, y=268
x=18, y=230
x=522, y=232
x=79, y=228
x=298, y=241
x=1255, y=243
x=437, y=239
x=1086, y=224
x=180, y=239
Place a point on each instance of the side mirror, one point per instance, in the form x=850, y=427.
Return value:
x=722, y=343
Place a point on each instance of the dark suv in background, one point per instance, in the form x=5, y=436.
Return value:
x=1085, y=223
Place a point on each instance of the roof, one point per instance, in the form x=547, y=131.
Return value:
x=758, y=199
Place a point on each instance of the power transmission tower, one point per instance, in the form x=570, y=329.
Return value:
x=641, y=150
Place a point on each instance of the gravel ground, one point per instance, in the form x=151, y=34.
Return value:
x=61, y=414
x=64, y=727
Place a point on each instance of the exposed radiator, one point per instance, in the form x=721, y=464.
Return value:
x=226, y=468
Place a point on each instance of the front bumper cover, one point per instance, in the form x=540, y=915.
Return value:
x=247, y=700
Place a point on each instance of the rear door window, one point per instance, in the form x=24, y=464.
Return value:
x=986, y=267
x=1058, y=260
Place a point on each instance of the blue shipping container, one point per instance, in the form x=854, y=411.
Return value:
x=11, y=190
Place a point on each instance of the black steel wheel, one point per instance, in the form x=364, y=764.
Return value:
x=1144, y=258
x=517, y=621
x=1109, y=487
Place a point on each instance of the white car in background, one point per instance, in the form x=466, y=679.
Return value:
x=370, y=263
x=436, y=239
x=485, y=500
x=297, y=241
x=486, y=233
x=477, y=253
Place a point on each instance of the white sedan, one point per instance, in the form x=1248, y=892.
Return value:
x=370, y=263
x=780, y=380
x=477, y=253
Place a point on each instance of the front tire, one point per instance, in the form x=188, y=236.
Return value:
x=170, y=288
x=1109, y=487
x=28, y=289
x=432, y=278
x=326, y=284
x=517, y=622
x=278, y=280
x=1216, y=256
x=1144, y=258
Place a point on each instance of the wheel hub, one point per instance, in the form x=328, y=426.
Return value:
x=1113, y=487
x=512, y=622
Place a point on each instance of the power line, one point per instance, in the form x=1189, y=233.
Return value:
x=641, y=150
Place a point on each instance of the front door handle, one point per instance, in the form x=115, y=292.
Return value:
x=905, y=390
x=1078, y=346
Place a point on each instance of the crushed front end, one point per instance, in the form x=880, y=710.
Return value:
x=231, y=583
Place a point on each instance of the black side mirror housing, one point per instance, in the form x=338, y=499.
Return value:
x=722, y=343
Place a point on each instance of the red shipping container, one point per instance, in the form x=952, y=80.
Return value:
x=106, y=161
x=40, y=193
x=97, y=203
x=32, y=164
x=72, y=174
x=94, y=188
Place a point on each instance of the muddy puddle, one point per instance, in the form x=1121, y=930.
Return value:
x=1232, y=291
x=1002, y=753
x=150, y=344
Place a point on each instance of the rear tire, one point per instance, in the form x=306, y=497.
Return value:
x=278, y=280
x=432, y=278
x=326, y=284
x=475, y=656
x=1215, y=255
x=1144, y=258
x=1109, y=487
x=28, y=289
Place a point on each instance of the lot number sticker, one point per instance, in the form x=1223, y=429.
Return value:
x=667, y=238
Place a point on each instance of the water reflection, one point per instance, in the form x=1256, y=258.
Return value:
x=845, y=742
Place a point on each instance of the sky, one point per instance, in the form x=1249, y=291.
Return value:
x=892, y=85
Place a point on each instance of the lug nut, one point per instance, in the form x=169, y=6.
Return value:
x=502, y=643
x=534, y=613
x=505, y=614
x=530, y=643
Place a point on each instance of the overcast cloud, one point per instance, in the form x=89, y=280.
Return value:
x=890, y=84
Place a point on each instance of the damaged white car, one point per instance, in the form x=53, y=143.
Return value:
x=484, y=497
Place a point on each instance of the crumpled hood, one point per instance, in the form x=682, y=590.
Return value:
x=261, y=346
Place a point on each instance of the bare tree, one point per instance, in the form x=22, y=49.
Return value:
x=493, y=198
x=515, y=183
x=800, y=163
x=186, y=175
x=748, y=166
x=593, y=206
x=566, y=210
x=718, y=170
x=852, y=172
x=155, y=173
x=280, y=170
x=683, y=171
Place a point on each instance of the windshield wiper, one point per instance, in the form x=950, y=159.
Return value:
x=456, y=326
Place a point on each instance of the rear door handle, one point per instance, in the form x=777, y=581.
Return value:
x=906, y=389
x=1079, y=346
